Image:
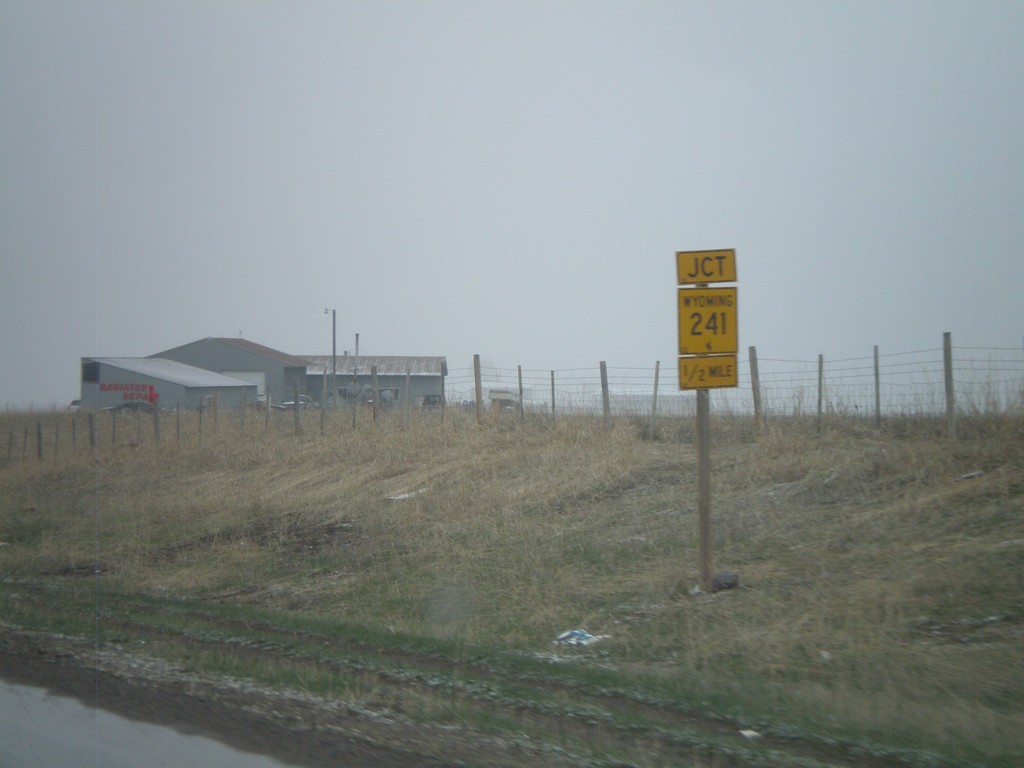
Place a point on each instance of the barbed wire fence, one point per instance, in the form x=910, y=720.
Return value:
x=984, y=381
x=987, y=380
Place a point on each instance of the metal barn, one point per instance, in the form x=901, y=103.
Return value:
x=145, y=382
x=274, y=373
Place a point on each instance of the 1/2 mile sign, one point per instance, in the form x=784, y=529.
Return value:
x=707, y=372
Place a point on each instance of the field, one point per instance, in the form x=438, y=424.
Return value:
x=418, y=570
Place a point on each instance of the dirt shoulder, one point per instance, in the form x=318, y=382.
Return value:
x=295, y=728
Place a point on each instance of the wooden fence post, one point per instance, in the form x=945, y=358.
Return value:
x=113, y=427
x=92, y=431
x=821, y=386
x=10, y=445
x=654, y=400
x=755, y=387
x=552, y=398
x=156, y=424
x=522, y=411
x=408, y=396
x=878, y=393
x=376, y=393
x=295, y=406
x=39, y=440
x=479, y=390
x=355, y=383
x=947, y=365
x=323, y=401
x=56, y=439
x=605, y=397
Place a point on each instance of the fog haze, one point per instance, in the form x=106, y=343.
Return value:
x=504, y=178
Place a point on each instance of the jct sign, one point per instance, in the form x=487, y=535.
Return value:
x=696, y=267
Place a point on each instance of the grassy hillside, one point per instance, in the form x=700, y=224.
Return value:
x=882, y=572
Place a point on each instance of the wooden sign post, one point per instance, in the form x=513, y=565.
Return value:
x=708, y=343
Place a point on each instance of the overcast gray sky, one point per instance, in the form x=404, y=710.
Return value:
x=506, y=178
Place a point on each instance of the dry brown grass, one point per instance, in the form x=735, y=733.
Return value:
x=881, y=589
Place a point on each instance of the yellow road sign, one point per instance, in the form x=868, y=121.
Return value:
x=694, y=267
x=707, y=372
x=707, y=321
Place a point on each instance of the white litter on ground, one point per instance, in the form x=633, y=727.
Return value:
x=409, y=495
x=578, y=637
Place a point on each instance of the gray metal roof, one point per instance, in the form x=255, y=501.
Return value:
x=243, y=344
x=172, y=371
x=259, y=349
x=347, y=365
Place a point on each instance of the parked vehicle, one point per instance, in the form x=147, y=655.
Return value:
x=305, y=401
x=132, y=405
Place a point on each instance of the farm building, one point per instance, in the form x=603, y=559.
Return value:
x=274, y=373
x=416, y=380
x=127, y=382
